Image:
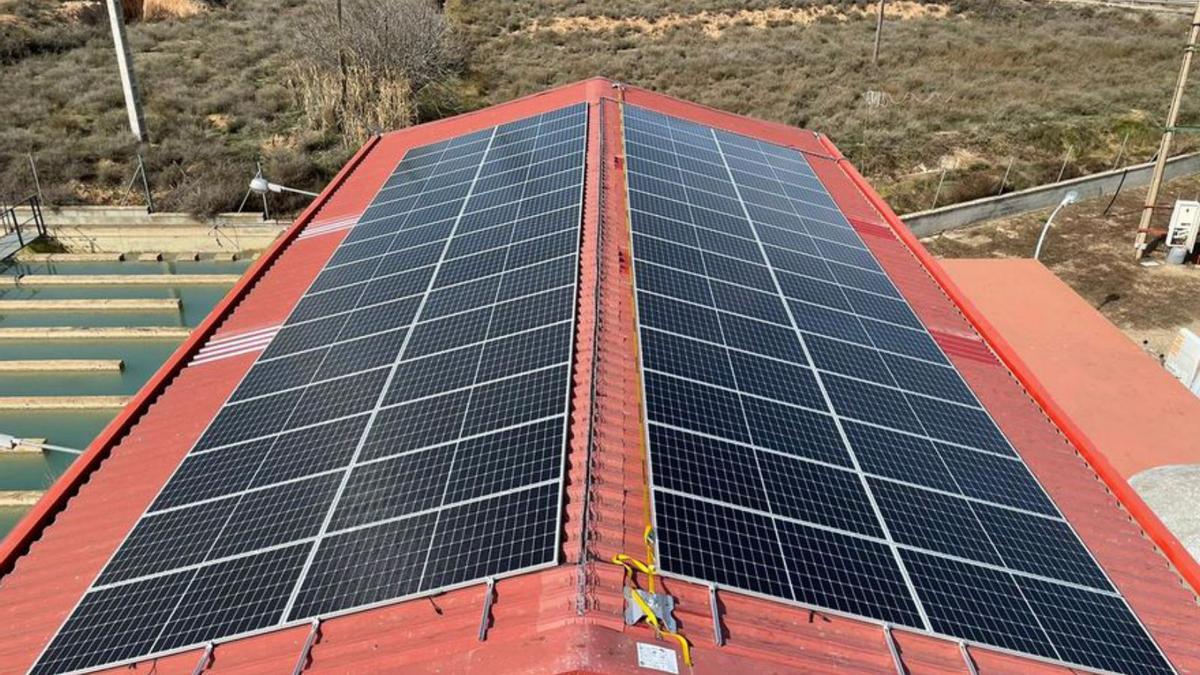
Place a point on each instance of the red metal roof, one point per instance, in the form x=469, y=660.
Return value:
x=1130, y=404
x=569, y=618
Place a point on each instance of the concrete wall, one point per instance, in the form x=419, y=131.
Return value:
x=165, y=239
x=126, y=229
x=926, y=223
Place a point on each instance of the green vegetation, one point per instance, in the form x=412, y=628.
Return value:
x=963, y=83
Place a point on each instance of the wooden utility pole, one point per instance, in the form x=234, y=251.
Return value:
x=133, y=101
x=878, y=33
x=1164, y=145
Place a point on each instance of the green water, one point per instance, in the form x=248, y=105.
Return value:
x=142, y=358
x=9, y=515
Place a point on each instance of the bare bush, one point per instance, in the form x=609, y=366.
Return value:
x=356, y=104
x=367, y=63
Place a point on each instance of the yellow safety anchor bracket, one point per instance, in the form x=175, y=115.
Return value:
x=655, y=608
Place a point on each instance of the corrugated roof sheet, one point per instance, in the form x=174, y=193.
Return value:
x=569, y=618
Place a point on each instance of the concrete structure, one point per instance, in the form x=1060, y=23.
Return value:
x=952, y=216
x=20, y=497
x=163, y=238
x=93, y=333
x=122, y=280
x=29, y=256
x=1141, y=419
x=1173, y=492
x=108, y=229
x=62, y=402
x=570, y=617
x=96, y=305
x=61, y=365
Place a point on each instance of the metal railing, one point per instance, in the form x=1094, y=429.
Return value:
x=27, y=227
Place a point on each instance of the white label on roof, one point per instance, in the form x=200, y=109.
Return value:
x=657, y=658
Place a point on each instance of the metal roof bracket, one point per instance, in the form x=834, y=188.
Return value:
x=313, y=633
x=661, y=604
x=205, y=659
x=485, y=619
x=901, y=669
x=715, y=607
x=967, y=659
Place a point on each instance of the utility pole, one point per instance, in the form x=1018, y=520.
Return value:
x=133, y=101
x=1164, y=145
x=878, y=33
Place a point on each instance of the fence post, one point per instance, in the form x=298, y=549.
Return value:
x=938, y=191
x=1004, y=181
x=36, y=207
x=1121, y=152
x=37, y=183
x=1063, y=168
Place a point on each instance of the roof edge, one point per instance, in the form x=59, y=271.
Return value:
x=17, y=542
x=1143, y=515
x=589, y=89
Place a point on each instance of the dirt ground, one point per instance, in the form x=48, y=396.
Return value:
x=1090, y=247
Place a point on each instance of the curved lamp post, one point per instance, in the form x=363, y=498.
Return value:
x=1068, y=199
x=260, y=185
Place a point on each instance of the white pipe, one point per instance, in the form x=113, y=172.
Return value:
x=1067, y=200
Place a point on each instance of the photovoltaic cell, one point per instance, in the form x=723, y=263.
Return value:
x=808, y=440
x=403, y=433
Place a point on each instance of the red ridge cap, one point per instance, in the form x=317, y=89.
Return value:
x=29, y=528
x=1184, y=564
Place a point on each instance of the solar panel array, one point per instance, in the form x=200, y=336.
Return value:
x=404, y=432
x=810, y=442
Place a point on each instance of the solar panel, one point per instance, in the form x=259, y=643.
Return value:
x=405, y=431
x=809, y=441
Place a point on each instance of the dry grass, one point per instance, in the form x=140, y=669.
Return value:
x=963, y=83
x=162, y=10
x=984, y=79
x=713, y=24
x=214, y=90
x=370, y=104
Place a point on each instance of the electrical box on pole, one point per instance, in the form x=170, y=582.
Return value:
x=133, y=101
x=1164, y=144
x=1185, y=225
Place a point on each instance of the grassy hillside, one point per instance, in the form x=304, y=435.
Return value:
x=963, y=83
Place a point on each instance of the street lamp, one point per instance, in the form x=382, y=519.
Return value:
x=1068, y=199
x=9, y=442
x=260, y=185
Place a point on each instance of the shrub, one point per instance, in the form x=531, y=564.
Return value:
x=367, y=64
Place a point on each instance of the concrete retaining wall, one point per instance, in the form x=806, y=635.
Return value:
x=136, y=215
x=92, y=305
x=93, y=333
x=62, y=365
x=926, y=223
x=119, y=229
x=62, y=402
x=173, y=238
x=20, y=497
x=121, y=280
